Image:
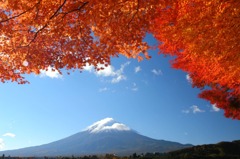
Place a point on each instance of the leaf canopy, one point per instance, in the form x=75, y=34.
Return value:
x=205, y=38
x=70, y=34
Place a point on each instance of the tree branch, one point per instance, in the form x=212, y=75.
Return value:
x=20, y=13
x=134, y=14
x=77, y=9
x=56, y=12
x=35, y=35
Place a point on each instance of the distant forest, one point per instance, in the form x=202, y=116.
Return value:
x=222, y=150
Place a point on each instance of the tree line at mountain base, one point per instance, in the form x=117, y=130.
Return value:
x=222, y=150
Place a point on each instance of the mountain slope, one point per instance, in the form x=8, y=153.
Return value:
x=105, y=136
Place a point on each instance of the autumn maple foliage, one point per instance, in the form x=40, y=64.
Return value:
x=204, y=36
x=36, y=34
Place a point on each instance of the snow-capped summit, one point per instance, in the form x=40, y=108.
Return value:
x=105, y=125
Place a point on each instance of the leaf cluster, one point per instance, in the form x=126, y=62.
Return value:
x=205, y=39
x=69, y=34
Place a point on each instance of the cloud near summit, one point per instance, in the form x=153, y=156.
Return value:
x=107, y=124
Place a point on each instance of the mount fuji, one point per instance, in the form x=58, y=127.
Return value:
x=104, y=136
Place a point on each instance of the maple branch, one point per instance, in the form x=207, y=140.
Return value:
x=35, y=35
x=37, y=7
x=134, y=14
x=20, y=13
x=54, y=15
x=77, y=9
x=56, y=12
x=15, y=16
x=82, y=37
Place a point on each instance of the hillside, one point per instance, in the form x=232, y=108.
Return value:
x=102, y=137
x=222, y=150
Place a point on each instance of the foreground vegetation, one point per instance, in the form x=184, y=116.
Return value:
x=222, y=150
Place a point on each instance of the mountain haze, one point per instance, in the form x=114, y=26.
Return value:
x=104, y=136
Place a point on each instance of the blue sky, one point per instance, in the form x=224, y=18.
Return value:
x=149, y=96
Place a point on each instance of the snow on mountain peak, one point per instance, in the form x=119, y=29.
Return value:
x=107, y=124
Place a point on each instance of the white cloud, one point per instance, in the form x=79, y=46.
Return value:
x=103, y=89
x=188, y=78
x=88, y=68
x=123, y=66
x=193, y=109
x=134, y=87
x=137, y=69
x=116, y=126
x=196, y=109
x=215, y=108
x=157, y=72
x=106, y=124
x=9, y=135
x=109, y=71
x=2, y=145
x=51, y=72
x=118, y=78
x=99, y=124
